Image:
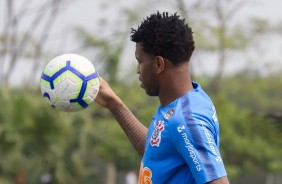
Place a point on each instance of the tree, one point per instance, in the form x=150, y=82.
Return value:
x=109, y=53
x=72, y=147
x=18, y=44
x=249, y=141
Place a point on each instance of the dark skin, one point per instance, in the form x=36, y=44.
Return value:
x=167, y=81
x=158, y=77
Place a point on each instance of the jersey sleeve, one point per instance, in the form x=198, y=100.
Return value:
x=195, y=141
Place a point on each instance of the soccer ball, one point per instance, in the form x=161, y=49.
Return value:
x=69, y=82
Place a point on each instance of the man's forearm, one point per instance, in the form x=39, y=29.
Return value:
x=223, y=180
x=135, y=130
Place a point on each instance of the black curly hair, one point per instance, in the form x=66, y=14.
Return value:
x=166, y=35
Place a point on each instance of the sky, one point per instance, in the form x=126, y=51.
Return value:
x=89, y=13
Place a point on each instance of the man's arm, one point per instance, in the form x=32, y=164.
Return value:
x=135, y=130
x=223, y=180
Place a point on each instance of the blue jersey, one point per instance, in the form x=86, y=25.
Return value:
x=182, y=145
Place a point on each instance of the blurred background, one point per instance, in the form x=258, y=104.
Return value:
x=238, y=61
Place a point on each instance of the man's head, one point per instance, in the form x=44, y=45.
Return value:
x=165, y=35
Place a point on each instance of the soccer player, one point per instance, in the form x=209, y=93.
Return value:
x=181, y=145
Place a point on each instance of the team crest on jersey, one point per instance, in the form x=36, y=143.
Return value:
x=157, y=134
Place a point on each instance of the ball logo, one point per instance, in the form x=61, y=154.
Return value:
x=156, y=136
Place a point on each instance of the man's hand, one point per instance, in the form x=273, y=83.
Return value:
x=106, y=96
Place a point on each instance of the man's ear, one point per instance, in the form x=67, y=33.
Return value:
x=160, y=64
